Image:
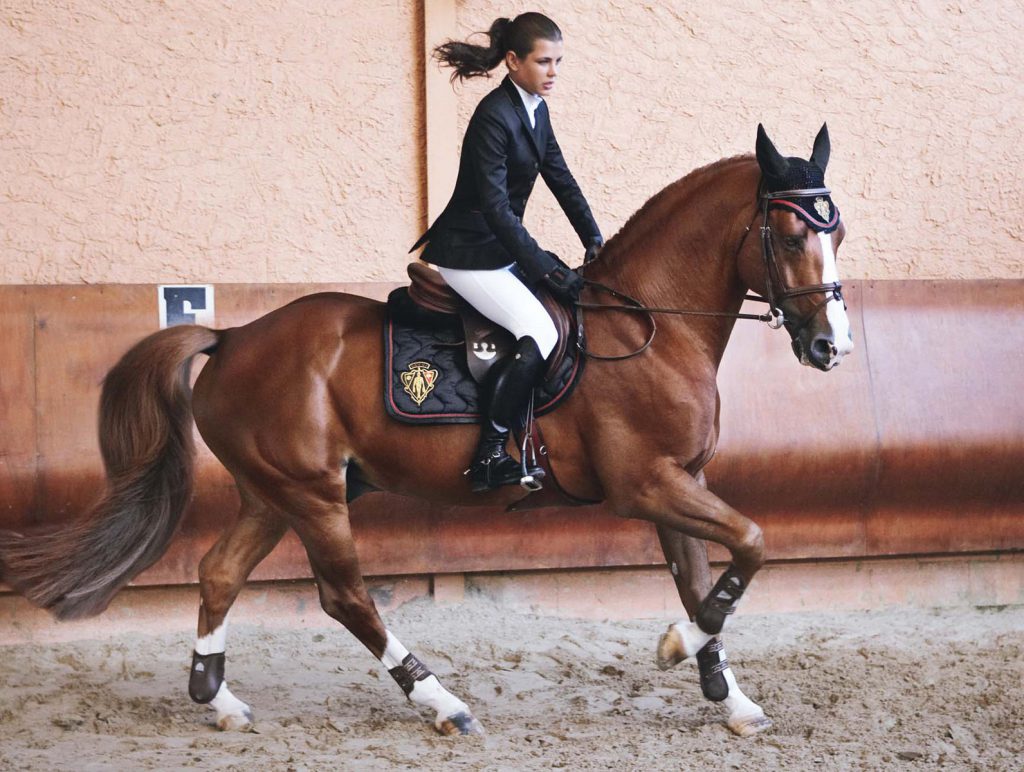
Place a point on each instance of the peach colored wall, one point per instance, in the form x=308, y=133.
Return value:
x=202, y=141
x=923, y=101
x=145, y=141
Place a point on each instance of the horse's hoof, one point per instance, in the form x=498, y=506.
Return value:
x=750, y=724
x=671, y=650
x=235, y=722
x=462, y=723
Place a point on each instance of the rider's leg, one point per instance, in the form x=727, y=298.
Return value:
x=507, y=398
x=504, y=299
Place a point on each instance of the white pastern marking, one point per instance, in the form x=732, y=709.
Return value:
x=834, y=310
x=225, y=703
x=430, y=693
x=694, y=639
x=213, y=643
x=232, y=714
x=739, y=704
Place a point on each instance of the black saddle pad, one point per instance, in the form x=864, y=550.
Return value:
x=427, y=381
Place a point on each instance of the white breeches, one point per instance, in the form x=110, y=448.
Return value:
x=500, y=296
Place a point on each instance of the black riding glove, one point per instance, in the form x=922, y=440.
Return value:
x=593, y=249
x=564, y=283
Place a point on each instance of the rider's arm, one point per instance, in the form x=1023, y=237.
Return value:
x=487, y=141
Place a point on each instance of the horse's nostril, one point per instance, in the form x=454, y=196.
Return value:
x=823, y=348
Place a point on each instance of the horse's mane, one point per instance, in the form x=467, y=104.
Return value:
x=678, y=189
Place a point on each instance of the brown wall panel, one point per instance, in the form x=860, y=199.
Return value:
x=17, y=407
x=913, y=445
x=947, y=371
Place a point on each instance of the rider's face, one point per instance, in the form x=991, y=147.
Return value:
x=537, y=71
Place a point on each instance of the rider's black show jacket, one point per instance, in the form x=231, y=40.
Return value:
x=481, y=227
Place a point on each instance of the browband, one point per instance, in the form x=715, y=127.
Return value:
x=801, y=193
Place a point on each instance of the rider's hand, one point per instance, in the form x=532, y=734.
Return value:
x=593, y=249
x=564, y=283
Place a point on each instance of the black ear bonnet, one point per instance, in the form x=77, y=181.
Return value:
x=820, y=214
x=782, y=175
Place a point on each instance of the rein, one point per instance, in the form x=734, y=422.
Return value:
x=774, y=318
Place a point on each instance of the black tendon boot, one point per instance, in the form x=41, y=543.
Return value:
x=505, y=404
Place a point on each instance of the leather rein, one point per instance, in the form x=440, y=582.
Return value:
x=776, y=290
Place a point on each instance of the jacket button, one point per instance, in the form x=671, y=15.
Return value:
x=536, y=166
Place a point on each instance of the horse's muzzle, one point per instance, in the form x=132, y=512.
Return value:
x=820, y=350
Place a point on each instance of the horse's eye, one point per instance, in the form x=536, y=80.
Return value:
x=793, y=242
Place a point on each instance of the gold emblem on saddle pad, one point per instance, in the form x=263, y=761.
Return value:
x=419, y=381
x=822, y=208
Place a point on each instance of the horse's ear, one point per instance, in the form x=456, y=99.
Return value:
x=822, y=148
x=771, y=161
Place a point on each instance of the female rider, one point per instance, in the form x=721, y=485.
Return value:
x=479, y=243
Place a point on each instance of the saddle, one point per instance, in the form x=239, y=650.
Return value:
x=438, y=349
x=486, y=343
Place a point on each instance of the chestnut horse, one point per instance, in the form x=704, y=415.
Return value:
x=303, y=436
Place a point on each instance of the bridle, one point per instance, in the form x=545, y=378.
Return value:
x=776, y=290
x=831, y=291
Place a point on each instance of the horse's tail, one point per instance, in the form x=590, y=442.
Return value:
x=145, y=433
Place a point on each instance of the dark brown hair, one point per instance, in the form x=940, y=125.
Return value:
x=519, y=34
x=145, y=432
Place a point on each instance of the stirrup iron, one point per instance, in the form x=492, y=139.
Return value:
x=530, y=481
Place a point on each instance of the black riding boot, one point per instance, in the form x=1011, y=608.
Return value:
x=509, y=394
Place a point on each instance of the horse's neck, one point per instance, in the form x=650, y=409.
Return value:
x=680, y=250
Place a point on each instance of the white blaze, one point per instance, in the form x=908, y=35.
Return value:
x=835, y=312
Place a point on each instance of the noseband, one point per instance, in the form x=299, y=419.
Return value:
x=776, y=290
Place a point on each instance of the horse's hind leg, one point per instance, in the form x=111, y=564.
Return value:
x=222, y=573
x=325, y=532
x=688, y=560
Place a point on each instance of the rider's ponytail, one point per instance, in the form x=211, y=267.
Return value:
x=470, y=61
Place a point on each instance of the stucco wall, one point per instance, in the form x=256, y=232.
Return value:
x=195, y=140
x=923, y=102
x=146, y=141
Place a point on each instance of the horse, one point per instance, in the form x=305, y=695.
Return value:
x=302, y=438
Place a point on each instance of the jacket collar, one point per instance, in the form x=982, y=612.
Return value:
x=517, y=104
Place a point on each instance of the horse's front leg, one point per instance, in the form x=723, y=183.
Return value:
x=688, y=561
x=686, y=514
